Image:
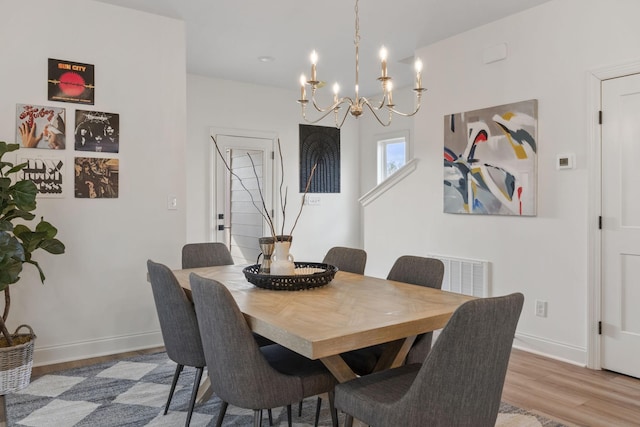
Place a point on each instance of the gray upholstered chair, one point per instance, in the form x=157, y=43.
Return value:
x=458, y=384
x=195, y=255
x=421, y=271
x=244, y=374
x=179, y=328
x=416, y=270
x=351, y=260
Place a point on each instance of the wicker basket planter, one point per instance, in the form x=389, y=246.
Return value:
x=16, y=361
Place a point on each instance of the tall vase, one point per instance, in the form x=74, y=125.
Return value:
x=281, y=260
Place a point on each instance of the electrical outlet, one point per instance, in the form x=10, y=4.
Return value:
x=313, y=200
x=541, y=308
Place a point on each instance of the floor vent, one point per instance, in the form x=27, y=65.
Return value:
x=465, y=276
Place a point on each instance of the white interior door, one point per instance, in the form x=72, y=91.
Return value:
x=239, y=194
x=621, y=225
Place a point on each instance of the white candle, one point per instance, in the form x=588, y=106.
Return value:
x=303, y=82
x=383, y=59
x=336, y=89
x=314, y=61
x=418, y=66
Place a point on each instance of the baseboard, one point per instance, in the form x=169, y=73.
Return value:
x=95, y=348
x=554, y=350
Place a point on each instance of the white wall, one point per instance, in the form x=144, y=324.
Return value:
x=551, y=49
x=232, y=105
x=96, y=299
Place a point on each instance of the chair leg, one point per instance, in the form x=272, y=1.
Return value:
x=289, y=415
x=257, y=417
x=194, y=394
x=334, y=411
x=270, y=416
x=348, y=421
x=223, y=410
x=318, y=406
x=176, y=375
x=300, y=409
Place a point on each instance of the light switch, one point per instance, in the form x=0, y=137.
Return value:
x=172, y=203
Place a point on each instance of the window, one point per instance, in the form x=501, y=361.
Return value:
x=393, y=153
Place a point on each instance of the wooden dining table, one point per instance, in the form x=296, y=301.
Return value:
x=351, y=312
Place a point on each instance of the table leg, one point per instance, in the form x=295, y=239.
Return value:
x=339, y=368
x=205, y=391
x=394, y=354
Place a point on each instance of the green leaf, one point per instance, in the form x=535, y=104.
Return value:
x=24, y=194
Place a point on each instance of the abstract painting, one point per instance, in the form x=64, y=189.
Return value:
x=490, y=160
x=320, y=146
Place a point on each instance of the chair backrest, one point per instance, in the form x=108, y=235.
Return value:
x=177, y=317
x=351, y=260
x=418, y=271
x=239, y=373
x=208, y=254
x=460, y=382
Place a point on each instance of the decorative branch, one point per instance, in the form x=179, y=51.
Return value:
x=264, y=213
x=283, y=198
x=306, y=190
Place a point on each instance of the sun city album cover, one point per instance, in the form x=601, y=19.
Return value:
x=39, y=126
x=71, y=82
x=97, y=131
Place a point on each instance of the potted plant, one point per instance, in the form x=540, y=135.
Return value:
x=17, y=243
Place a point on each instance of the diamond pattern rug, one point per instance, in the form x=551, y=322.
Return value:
x=132, y=392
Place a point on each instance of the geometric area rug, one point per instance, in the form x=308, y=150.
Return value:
x=132, y=392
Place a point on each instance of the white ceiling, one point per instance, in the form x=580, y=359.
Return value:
x=225, y=38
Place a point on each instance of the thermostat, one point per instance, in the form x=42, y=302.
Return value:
x=565, y=161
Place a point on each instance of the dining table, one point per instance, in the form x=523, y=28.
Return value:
x=352, y=311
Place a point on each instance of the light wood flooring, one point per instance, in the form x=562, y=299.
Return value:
x=566, y=393
x=570, y=394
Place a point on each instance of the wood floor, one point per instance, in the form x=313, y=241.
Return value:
x=563, y=392
x=570, y=394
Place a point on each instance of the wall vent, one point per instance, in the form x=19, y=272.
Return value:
x=465, y=276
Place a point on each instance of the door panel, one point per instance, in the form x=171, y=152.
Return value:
x=621, y=225
x=250, y=161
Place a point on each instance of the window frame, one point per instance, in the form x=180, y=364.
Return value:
x=382, y=141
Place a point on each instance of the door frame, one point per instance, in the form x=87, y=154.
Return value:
x=594, y=260
x=242, y=133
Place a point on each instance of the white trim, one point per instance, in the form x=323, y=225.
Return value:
x=94, y=348
x=551, y=349
x=594, y=278
x=388, y=183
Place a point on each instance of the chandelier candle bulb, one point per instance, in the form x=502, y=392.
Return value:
x=389, y=96
x=336, y=90
x=418, y=66
x=383, y=58
x=303, y=92
x=314, y=62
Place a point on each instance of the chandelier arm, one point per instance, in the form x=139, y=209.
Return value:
x=344, y=118
x=400, y=113
x=364, y=100
x=304, y=116
x=330, y=108
x=375, y=114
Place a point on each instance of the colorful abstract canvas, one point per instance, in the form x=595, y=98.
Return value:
x=490, y=160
